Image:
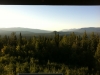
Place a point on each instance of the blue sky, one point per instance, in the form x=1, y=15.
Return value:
x=48, y=17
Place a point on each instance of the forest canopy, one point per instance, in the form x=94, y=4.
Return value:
x=67, y=54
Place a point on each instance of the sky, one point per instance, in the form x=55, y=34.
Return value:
x=48, y=17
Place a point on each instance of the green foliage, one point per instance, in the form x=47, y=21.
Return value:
x=97, y=53
x=68, y=54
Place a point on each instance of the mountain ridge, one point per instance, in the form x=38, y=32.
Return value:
x=87, y=29
x=30, y=31
x=37, y=30
x=25, y=29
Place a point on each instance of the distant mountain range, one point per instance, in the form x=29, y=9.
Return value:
x=89, y=29
x=28, y=31
x=24, y=29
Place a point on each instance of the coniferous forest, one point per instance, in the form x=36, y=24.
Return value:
x=68, y=54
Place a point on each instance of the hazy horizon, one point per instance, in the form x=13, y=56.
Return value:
x=49, y=30
x=49, y=17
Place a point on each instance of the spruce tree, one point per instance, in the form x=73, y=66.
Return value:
x=97, y=53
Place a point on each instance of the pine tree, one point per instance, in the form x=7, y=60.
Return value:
x=84, y=41
x=20, y=39
x=64, y=40
x=4, y=40
x=93, y=42
x=85, y=37
x=13, y=39
x=97, y=53
x=56, y=39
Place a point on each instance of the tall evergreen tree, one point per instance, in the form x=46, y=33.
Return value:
x=97, y=53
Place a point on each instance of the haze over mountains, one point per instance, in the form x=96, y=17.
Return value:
x=28, y=31
x=89, y=29
x=24, y=29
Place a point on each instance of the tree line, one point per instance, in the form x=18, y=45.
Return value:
x=68, y=54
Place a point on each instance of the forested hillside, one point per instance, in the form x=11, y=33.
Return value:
x=68, y=54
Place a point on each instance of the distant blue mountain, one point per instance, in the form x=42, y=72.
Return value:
x=89, y=29
x=15, y=29
x=28, y=31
